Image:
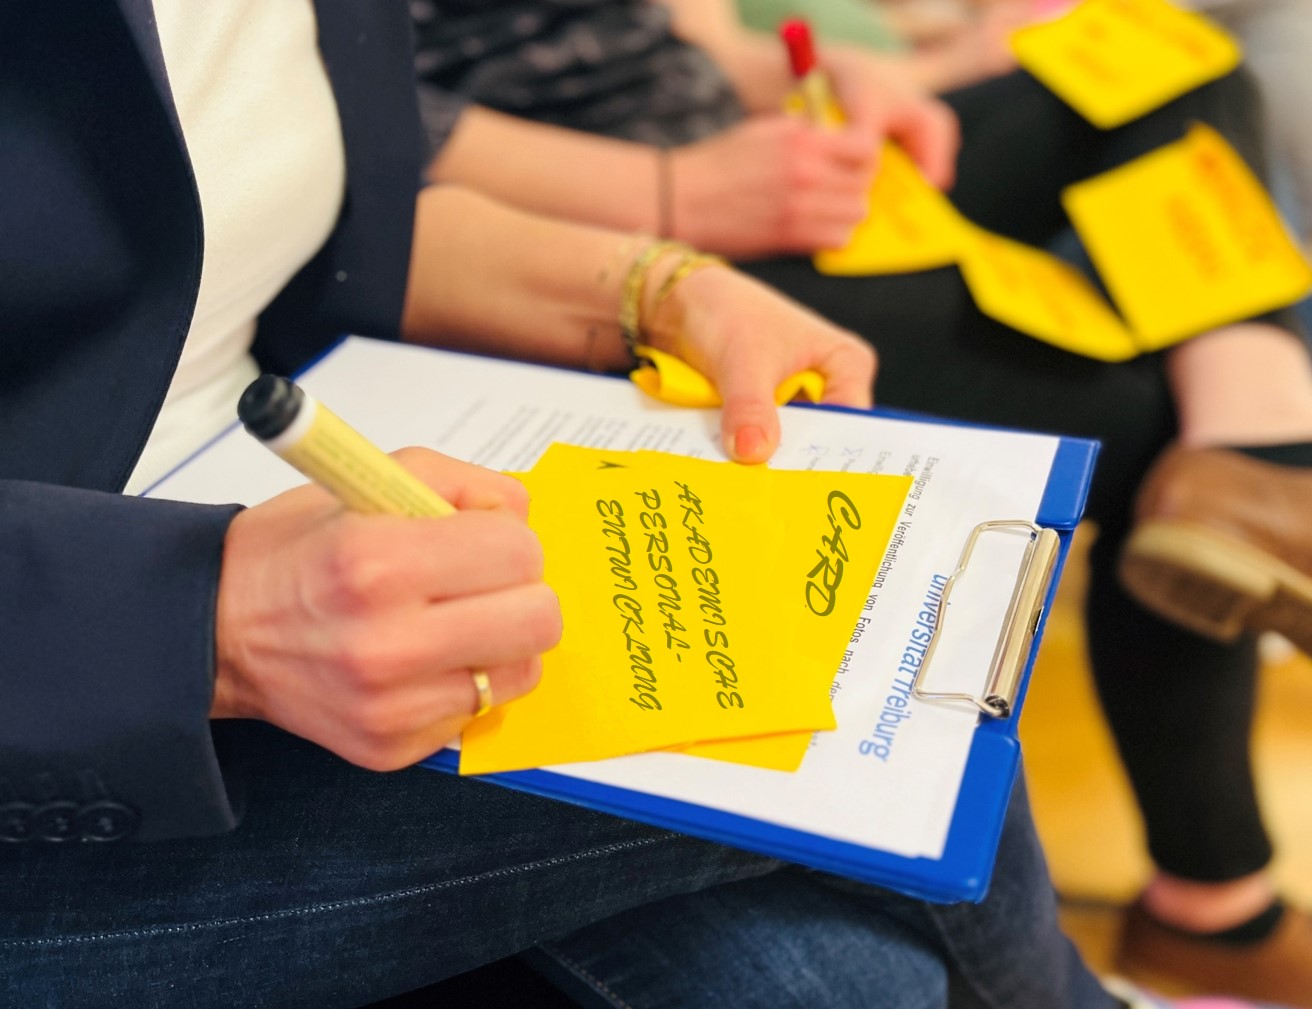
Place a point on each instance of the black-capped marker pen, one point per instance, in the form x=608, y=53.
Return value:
x=333, y=454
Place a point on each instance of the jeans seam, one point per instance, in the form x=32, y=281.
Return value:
x=582, y=973
x=338, y=905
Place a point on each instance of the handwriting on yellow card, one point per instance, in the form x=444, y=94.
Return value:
x=1045, y=297
x=842, y=568
x=1187, y=239
x=910, y=225
x=653, y=654
x=685, y=587
x=1115, y=60
x=671, y=380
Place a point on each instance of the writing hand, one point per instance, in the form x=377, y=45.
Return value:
x=772, y=184
x=881, y=99
x=747, y=339
x=360, y=633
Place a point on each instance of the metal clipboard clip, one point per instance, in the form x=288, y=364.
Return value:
x=1033, y=579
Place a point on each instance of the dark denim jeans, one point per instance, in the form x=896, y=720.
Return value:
x=342, y=887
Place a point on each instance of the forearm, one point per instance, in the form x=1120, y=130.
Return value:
x=536, y=167
x=488, y=278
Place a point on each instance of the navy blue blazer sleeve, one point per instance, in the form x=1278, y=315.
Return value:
x=107, y=602
x=107, y=638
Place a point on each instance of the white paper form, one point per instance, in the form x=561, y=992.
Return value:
x=888, y=777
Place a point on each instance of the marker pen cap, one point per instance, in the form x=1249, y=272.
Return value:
x=796, y=35
x=269, y=406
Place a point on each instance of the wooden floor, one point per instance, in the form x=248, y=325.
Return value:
x=1082, y=803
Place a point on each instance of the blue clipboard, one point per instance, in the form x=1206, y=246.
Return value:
x=964, y=871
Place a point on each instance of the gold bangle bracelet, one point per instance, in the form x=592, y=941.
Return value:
x=635, y=285
x=691, y=263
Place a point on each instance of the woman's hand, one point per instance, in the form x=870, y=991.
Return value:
x=776, y=184
x=882, y=100
x=773, y=184
x=747, y=339
x=361, y=633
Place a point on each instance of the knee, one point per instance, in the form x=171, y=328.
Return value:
x=902, y=977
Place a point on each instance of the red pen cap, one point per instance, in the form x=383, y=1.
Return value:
x=796, y=34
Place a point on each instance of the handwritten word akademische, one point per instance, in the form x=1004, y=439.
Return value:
x=707, y=579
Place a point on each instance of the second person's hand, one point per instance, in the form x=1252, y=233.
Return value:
x=882, y=100
x=747, y=339
x=773, y=184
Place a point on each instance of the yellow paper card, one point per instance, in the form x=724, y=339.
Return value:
x=815, y=616
x=816, y=626
x=674, y=381
x=1116, y=60
x=1187, y=239
x=910, y=225
x=675, y=596
x=657, y=575
x=1042, y=296
x=671, y=618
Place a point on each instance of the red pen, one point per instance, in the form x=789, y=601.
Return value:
x=817, y=93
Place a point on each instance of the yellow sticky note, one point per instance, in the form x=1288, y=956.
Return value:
x=657, y=576
x=817, y=619
x=818, y=624
x=1115, y=60
x=1042, y=296
x=684, y=619
x=910, y=225
x=674, y=381
x=1187, y=239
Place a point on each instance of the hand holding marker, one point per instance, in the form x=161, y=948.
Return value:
x=813, y=84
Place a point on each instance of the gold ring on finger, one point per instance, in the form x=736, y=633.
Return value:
x=483, y=685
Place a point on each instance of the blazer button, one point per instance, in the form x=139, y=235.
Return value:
x=106, y=821
x=56, y=821
x=16, y=822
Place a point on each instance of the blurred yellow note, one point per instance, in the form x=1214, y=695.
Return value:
x=674, y=381
x=1042, y=296
x=1116, y=60
x=1187, y=239
x=691, y=593
x=910, y=225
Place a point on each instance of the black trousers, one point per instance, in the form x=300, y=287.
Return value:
x=1180, y=707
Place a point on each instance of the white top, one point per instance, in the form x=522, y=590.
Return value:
x=261, y=128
